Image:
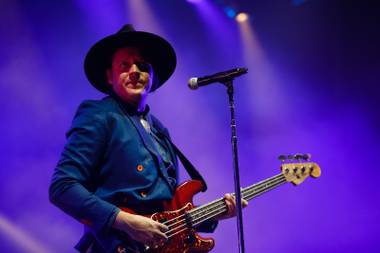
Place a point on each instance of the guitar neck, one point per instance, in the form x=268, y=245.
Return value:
x=218, y=206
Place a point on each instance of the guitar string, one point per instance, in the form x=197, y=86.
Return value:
x=254, y=186
x=219, y=208
x=247, y=192
x=214, y=212
x=199, y=221
x=220, y=203
x=251, y=191
x=200, y=209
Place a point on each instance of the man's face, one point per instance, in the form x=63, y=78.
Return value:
x=130, y=75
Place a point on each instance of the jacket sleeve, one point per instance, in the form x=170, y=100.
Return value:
x=74, y=177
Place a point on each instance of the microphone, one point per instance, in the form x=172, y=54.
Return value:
x=196, y=82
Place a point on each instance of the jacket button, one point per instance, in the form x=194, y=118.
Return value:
x=143, y=194
x=140, y=167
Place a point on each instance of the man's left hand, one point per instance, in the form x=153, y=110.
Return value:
x=231, y=207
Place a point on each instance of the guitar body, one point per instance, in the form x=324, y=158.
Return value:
x=185, y=239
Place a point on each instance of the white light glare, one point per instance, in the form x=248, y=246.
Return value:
x=242, y=17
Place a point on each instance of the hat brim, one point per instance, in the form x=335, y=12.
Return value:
x=160, y=53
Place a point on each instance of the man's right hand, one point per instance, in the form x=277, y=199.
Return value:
x=141, y=229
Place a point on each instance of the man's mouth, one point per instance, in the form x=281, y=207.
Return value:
x=134, y=84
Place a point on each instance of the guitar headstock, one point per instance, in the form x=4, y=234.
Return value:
x=297, y=172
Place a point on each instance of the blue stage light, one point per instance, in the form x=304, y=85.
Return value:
x=231, y=13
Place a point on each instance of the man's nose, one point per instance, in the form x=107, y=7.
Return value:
x=134, y=73
x=134, y=68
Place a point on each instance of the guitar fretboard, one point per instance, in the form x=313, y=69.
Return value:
x=208, y=211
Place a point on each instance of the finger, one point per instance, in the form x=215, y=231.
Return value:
x=243, y=201
x=232, y=199
x=162, y=227
x=230, y=207
x=228, y=196
x=233, y=202
x=159, y=236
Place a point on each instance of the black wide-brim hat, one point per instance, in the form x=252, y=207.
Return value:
x=156, y=49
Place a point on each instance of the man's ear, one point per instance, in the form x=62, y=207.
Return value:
x=109, y=76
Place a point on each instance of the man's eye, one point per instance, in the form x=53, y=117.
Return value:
x=125, y=65
x=144, y=66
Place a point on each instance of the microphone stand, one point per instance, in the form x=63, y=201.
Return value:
x=230, y=91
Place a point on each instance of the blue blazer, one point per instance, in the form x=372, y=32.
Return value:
x=109, y=161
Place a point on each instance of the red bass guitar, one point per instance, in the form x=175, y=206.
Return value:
x=182, y=217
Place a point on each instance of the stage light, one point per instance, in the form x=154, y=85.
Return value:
x=194, y=1
x=19, y=238
x=140, y=12
x=242, y=17
x=231, y=13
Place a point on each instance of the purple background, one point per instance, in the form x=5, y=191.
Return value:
x=313, y=86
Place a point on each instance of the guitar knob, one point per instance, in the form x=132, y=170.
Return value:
x=306, y=157
x=290, y=157
x=282, y=158
x=298, y=157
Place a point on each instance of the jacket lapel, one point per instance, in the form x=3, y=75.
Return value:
x=147, y=140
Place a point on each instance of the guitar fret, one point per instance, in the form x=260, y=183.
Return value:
x=216, y=207
x=264, y=185
x=205, y=209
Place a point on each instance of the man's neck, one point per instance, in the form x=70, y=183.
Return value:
x=141, y=106
x=133, y=107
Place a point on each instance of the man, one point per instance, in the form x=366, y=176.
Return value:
x=117, y=154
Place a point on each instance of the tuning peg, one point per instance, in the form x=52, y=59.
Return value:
x=291, y=157
x=307, y=157
x=282, y=158
x=298, y=157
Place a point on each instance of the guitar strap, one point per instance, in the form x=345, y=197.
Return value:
x=191, y=170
